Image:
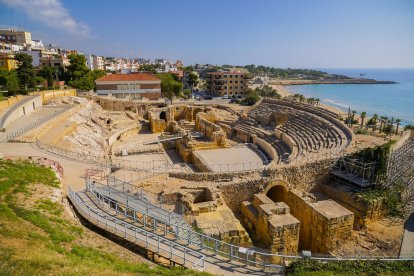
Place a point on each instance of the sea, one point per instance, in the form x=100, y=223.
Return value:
x=391, y=100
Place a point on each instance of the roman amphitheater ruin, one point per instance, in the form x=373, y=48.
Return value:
x=259, y=185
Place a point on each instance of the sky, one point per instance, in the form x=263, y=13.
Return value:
x=281, y=33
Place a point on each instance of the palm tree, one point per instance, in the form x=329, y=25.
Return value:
x=374, y=121
x=363, y=115
x=397, y=121
x=317, y=100
x=353, y=116
x=383, y=120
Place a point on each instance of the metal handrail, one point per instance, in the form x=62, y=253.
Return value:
x=191, y=237
x=233, y=252
x=127, y=199
x=36, y=123
x=78, y=202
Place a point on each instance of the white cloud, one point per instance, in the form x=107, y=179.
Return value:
x=50, y=12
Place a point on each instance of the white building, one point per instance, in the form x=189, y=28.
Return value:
x=36, y=55
x=89, y=61
x=98, y=62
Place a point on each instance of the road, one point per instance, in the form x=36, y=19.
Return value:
x=407, y=246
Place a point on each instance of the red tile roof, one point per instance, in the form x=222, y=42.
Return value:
x=226, y=73
x=130, y=77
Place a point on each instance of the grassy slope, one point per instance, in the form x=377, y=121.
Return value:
x=36, y=239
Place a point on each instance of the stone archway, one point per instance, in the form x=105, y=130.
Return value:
x=277, y=193
x=163, y=116
x=195, y=111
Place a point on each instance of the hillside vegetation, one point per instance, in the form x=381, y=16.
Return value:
x=38, y=236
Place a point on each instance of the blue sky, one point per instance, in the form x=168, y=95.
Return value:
x=289, y=33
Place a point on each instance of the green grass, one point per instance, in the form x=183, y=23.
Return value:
x=312, y=267
x=39, y=240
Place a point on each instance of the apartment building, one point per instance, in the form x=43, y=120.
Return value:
x=7, y=62
x=89, y=61
x=227, y=83
x=130, y=85
x=15, y=37
x=98, y=62
x=54, y=61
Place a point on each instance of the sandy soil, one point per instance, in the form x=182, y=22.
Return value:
x=381, y=238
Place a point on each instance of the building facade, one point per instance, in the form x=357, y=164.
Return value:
x=7, y=62
x=89, y=61
x=98, y=63
x=54, y=61
x=227, y=84
x=15, y=37
x=132, y=86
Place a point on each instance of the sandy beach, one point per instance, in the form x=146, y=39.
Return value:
x=284, y=91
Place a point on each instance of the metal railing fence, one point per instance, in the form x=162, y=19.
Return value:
x=138, y=234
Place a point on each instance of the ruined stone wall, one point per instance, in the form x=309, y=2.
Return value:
x=184, y=152
x=237, y=192
x=123, y=133
x=271, y=225
x=211, y=176
x=121, y=105
x=322, y=223
x=265, y=147
x=304, y=177
x=365, y=211
x=199, y=163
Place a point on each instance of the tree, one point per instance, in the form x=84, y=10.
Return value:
x=250, y=98
x=84, y=83
x=96, y=74
x=4, y=75
x=268, y=92
x=48, y=73
x=12, y=85
x=187, y=93
x=169, y=86
x=373, y=121
x=25, y=72
x=77, y=68
x=397, y=121
x=383, y=120
x=149, y=68
x=363, y=116
x=192, y=80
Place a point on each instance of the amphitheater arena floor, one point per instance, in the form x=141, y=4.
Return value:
x=236, y=158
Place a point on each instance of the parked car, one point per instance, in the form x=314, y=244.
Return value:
x=208, y=98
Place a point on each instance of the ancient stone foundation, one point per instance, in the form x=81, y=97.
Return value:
x=271, y=224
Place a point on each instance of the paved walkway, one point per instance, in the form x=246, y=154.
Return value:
x=126, y=229
x=407, y=246
x=73, y=170
x=31, y=119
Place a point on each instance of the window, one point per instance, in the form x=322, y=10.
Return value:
x=231, y=87
x=241, y=76
x=236, y=87
x=236, y=81
x=119, y=87
x=241, y=81
x=231, y=76
x=225, y=76
x=231, y=81
x=225, y=87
